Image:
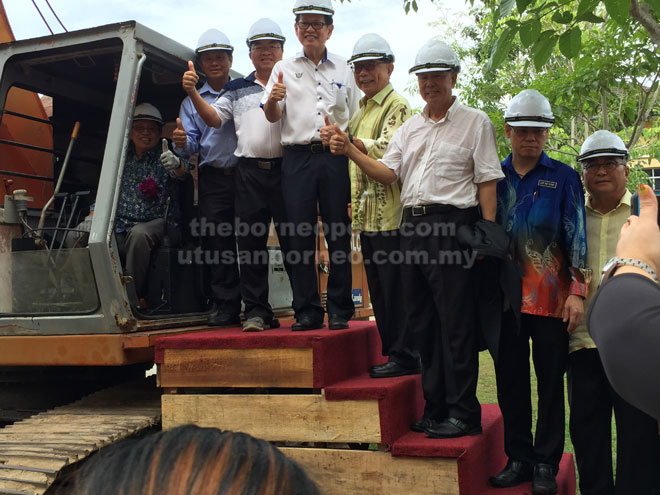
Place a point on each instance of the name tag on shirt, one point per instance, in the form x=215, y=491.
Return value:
x=548, y=183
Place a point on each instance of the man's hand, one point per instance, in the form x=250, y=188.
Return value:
x=339, y=143
x=573, y=312
x=278, y=92
x=168, y=159
x=640, y=235
x=179, y=135
x=190, y=79
x=327, y=131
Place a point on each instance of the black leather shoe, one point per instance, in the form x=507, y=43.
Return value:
x=392, y=368
x=336, y=322
x=451, y=428
x=513, y=474
x=306, y=323
x=543, y=480
x=223, y=320
x=421, y=425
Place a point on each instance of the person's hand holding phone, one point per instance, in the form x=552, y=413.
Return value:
x=640, y=235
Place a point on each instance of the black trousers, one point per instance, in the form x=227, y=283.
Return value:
x=386, y=293
x=258, y=201
x=549, y=353
x=441, y=314
x=314, y=182
x=592, y=399
x=216, y=205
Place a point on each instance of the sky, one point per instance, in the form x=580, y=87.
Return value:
x=185, y=21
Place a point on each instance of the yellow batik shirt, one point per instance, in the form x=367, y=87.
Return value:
x=602, y=236
x=376, y=207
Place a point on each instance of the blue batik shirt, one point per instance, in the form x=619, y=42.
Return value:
x=543, y=213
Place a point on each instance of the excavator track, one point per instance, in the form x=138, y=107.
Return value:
x=35, y=451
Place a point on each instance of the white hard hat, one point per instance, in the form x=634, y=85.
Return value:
x=371, y=47
x=323, y=7
x=434, y=56
x=213, y=40
x=265, y=29
x=603, y=143
x=146, y=111
x=529, y=108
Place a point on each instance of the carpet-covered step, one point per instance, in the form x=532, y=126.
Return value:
x=566, y=483
x=273, y=358
x=359, y=410
x=474, y=457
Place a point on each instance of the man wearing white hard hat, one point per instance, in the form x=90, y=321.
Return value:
x=302, y=91
x=258, y=186
x=447, y=162
x=591, y=398
x=217, y=164
x=146, y=195
x=541, y=206
x=376, y=207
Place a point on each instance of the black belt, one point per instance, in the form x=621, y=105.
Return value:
x=421, y=210
x=264, y=163
x=314, y=148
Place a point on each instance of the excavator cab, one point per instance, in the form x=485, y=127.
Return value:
x=59, y=260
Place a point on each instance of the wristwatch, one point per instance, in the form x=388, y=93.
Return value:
x=612, y=265
x=351, y=138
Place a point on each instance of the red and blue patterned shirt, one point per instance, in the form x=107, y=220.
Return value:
x=543, y=213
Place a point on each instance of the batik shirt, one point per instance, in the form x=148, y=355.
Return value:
x=376, y=206
x=543, y=213
x=145, y=187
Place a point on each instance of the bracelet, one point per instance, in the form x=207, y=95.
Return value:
x=611, y=266
x=350, y=138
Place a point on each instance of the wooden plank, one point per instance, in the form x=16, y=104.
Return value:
x=295, y=418
x=265, y=368
x=69, y=350
x=356, y=472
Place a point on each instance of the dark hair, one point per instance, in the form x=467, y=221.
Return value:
x=193, y=461
x=327, y=18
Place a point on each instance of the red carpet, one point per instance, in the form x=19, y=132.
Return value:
x=565, y=481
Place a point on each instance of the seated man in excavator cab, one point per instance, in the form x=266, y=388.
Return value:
x=148, y=209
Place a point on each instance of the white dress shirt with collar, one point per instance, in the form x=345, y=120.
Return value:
x=313, y=91
x=442, y=162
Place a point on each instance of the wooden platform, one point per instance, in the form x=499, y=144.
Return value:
x=33, y=452
x=309, y=392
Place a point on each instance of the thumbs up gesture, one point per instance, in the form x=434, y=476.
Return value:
x=179, y=135
x=339, y=142
x=190, y=79
x=168, y=159
x=640, y=236
x=279, y=89
x=327, y=131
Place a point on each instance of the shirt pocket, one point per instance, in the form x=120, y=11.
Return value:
x=451, y=162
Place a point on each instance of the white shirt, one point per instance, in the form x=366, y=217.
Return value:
x=442, y=162
x=239, y=101
x=312, y=92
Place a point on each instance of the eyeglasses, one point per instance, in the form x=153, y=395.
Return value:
x=263, y=48
x=593, y=167
x=368, y=66
x=535, y=131
x=151, y=129
x=314, y=25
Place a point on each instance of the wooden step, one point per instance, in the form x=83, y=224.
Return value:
x=359, y=410
x=273, y=358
